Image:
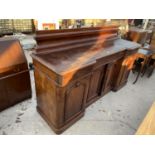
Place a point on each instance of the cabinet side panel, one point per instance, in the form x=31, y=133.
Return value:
x=46, y=96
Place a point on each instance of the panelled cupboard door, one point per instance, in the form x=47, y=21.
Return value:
x=117, y=74
x=95, y=83
x=108, y=78
x=123, y=73
x=75, y=98
x=4, y=100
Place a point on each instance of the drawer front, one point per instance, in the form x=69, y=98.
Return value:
x=73, y=76
x=109, y=59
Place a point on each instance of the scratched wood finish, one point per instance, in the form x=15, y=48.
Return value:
x=147, y=126
x=14, y=74
x=75, y=67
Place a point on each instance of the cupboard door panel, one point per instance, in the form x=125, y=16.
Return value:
x=95, y=83
x=108, y=79
x=117, y=73
x=75, y=98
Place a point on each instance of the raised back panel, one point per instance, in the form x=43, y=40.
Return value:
x=69, y=39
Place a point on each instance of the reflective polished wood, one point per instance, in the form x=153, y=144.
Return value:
x=75, y=67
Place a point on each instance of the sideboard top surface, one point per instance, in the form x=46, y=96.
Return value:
x=65, y=51
x=63, y=62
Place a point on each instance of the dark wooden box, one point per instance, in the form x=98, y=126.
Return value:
x=15, y=83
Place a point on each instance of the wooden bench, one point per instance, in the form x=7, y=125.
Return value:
x=147, y=127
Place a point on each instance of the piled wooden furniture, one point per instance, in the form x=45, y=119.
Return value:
x=75, y=67
x=141, y=62
x=139, y=35
x=145, y=58
x=14, y=74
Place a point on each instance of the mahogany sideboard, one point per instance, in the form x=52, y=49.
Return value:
x=14, y=74
x=75, y=67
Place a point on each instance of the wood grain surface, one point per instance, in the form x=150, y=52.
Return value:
x=147, y=127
